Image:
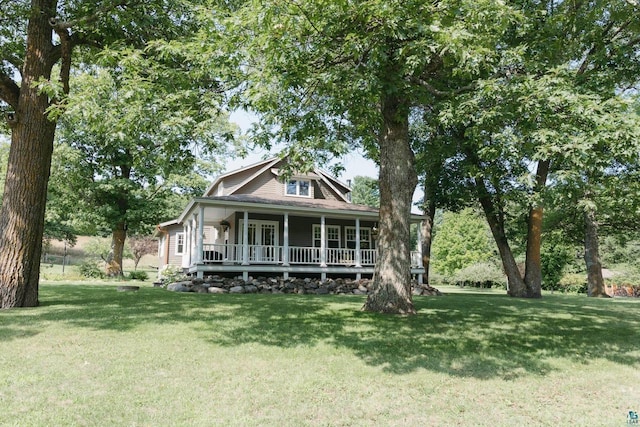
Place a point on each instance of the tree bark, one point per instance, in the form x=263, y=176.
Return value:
x=398, y=179
x=595, y=280
x=517, y=287
x=533, y=269
x=118, y=237
x=427, y=232
x=25, y=193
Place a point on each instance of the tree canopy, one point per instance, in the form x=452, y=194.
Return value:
x=41, y=43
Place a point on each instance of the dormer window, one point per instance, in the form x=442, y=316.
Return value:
x=299, y=187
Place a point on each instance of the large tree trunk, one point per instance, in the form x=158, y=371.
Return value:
x=533, y=269
x=118, y=237
x=398, y=179
x=595, y=281
x=515, y=281
x=25, y=192
x=427, y=232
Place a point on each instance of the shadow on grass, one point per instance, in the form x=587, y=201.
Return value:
x=466, y=335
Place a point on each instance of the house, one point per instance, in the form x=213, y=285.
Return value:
x=251, y=221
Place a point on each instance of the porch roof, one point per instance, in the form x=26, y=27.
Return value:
x=312, y=207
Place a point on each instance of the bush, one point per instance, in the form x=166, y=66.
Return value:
x=91, y=269
x=573, y=283
x=436, y=279
x=138, y=275
x=555, y=257
x=171, y=273
x=480, y=275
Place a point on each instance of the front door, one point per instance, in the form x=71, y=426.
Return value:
x=262, y=239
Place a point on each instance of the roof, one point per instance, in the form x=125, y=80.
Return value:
x=315, y=207
x=219, y=178
x=303, y=203
x=160, y=228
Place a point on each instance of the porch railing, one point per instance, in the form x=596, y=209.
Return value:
x=261, y=254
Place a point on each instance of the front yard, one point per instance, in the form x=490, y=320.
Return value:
x=93, y=356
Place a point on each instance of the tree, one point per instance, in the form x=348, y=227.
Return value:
x=4, y=157
x=126, y=154
x=559, y=62
x=141, y=246
x=436, y=150
x=365, y=191
x=37, y=43
x=462, y=240
x=600, y=189
x=325, y=74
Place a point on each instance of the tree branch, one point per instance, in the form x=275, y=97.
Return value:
x=441, y=93
x=594, y=48
x=65, y=54
x=9, y=90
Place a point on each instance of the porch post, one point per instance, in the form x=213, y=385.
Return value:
x=420, y=277
x=245, y=239
x=420, y=241
x=323, y=243
x=200, y=236
x=194, y=237
x=358, y=253
x=185, y=244
x=285, y=244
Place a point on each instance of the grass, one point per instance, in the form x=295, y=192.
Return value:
x=92, y=356
x=71, y=273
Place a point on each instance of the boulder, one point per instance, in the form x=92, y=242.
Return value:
x=216, y=290
x=200, y=289
x=250, y=289
x=178, y=287
x=237, y=290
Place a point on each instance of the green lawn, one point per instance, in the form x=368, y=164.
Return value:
x=90, y=355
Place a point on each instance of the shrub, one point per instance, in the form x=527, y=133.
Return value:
x=554, y=259
x=436, y=279
x=573, y=283
x=91, y=269
x=138, y=275
x=171, y=273
x=480, y=275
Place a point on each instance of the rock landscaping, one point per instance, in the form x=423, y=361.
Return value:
x=279, y=285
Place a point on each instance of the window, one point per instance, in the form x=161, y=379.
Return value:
x=365, y=237
x=299, y=187
x=179, y=243
x=332, y=236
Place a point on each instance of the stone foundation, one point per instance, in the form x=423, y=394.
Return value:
x=279, y=285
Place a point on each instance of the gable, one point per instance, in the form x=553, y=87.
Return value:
x=264, y=180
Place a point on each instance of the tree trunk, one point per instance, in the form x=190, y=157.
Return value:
x=533, y=269
x=398, y=179
x=118, y=237
x=595, y=281
x=427, y=232
x=25, y=192
x=516, y=284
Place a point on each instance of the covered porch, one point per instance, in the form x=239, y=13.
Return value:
x=247, y=235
